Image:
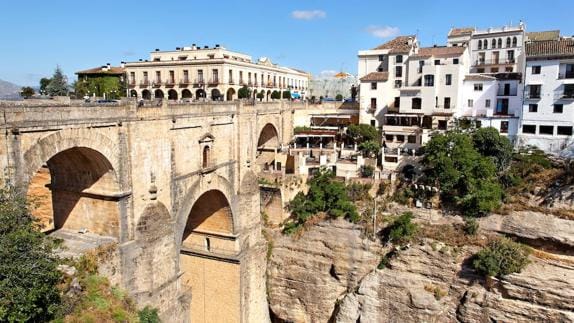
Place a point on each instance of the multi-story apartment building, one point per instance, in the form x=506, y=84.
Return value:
x=492, y=91
x=548, y=109
x=382, y=73
x=215, y=73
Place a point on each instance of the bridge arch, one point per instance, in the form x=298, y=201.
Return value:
x=268, y=136
x=73, y=183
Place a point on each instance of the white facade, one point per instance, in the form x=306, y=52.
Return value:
x=498, y=50
x=548, y=111
x=216, y=73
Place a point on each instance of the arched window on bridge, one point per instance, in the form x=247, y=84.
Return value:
x=206, y=151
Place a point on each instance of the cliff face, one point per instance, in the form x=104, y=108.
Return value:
x=329, y=274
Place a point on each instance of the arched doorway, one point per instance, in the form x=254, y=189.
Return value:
x=158, y=94
x=172, y=94
x=215, y=95
x=200, y=93
x=230, y=94
x=76, y=190
x=133, y=93
x=186, y=94
x=268, y=95
x=207, y=269
x=146, y=95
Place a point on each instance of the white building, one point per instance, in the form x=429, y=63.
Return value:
x=548, y=110
x=215, y=73
x=382, y=72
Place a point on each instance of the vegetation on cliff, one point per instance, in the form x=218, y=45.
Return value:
x=501, y=257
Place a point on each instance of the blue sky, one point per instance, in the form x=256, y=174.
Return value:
x=315, y=35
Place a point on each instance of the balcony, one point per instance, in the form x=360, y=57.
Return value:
x=213, y=81
x=249, y=83
x=566, y=95
x=532, y=95
x=184, y=82
x=231, y=81
x=565, y=76
x=199, y=82
x=132, y=84
x=144, y=83
x=502, y=92
x=486, y=62
x=170, y=83
x=156, y=83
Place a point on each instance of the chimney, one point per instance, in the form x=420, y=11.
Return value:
x=123, y=64
x=216, y=45
x=178, y=48
x=157, y=49
x=205, y=47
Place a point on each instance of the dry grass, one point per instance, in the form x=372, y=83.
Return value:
x=552, y=257
x=452, y=235
x=436, y=291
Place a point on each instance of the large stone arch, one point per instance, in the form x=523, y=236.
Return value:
x=268, y=134
x=204, y=184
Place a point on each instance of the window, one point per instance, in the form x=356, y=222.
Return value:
x=487, y=103
x=510, y=56
x=507, y=41
x=558, y=108
x=397, y=102
x=421, y=64
x=514, y=42
x=480, y=70
x=533, y=108
x=381, y=58
x=546, y=130
x=398, y=71
x=200, y=76
x=398, y=84
x=205, y=156
x=448, y=79
x=478, y=86
x=504, y=127
x=417, y=103
x=493, y=43
x=534, y=91
x=389, y=138
x=565, y=131
x=494, y=70
x=470, y=103
x=442, y=124
x=447, y=103
x=486, y=44
x=374, y=103
x=499, y=43
x=536, y=69
x=508, y=69
x=215, y=75
x=373, y=123
x=429, y=80
x=527, y=128
x=400, y=138
x=437, y=62
x=399, y=59
x=412, y=139
x=479, y=44
x=373, y=85
x=455, y=61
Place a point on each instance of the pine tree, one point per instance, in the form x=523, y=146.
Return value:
x=58, y=85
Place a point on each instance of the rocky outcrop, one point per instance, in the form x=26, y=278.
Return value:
x=307, y=276
x=329, y=275
x=425, y=285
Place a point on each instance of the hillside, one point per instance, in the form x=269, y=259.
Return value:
x=9, y=90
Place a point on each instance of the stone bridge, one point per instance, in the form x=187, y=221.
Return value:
x=175, y=186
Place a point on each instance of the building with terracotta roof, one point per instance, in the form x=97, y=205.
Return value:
x=382, y=72
x=548, y=110
x=93, y=87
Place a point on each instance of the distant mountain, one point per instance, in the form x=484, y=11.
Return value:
x=9, y=90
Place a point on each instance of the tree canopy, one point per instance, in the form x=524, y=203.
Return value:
x=58, y=85
x=366, y=136
x=27, y=92
x=111, y=86
x=244, y=92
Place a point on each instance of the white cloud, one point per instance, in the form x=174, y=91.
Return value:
x=308, y=14
x=327, y=73
x=383, y=32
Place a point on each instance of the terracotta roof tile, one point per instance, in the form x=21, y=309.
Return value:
x=375, y=77
x=399, y=44
x=100, y=70
x=543, y=35
x=562, y=47
x=455, y=32
x=479, y=77
x=439, y=51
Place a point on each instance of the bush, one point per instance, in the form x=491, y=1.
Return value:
x=501, y=257
x=275, y=95
x=339, y=97
x=28, y=266
x=470, y=226
x=402, y=230
x=367, y=171
x=148, y=315
x=261, y=95
x=287, y=94
x=357, y=191
x=244, y=92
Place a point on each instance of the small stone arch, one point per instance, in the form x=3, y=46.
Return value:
x=230, y=94
x=158, y=94
x=268, y=95
x=172, y=94
x=146, y=95
x=215, y=95
x=186, y=94
x=200, y=93
x=133, y=94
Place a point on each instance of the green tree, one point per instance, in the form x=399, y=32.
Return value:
x=261, y=95
x=44, y=82
x=27, y=92
x=402, y=230
x=287, y=94
x=28, y=274
x=363, y=132
x=490, y=143
x=339, y=97
x=244, y=92
x=501, y=257
x=275, y=95
x=367, y=171
x=369, y=148
x=58, y=85
x=463, y=175
x=111, y=86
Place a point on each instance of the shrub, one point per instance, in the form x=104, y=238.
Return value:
x=287, y=94
x=275, y=95
x=261, y=95
x=367, y=171
x=339, y=97
x=403, y=195
x=357, y=191
x=470, y=226
x=244, y=92
x=148, y=315
x=402, y=230
x=501, y=257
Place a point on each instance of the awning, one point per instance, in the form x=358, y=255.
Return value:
x=295, y=95
x=333, y=116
